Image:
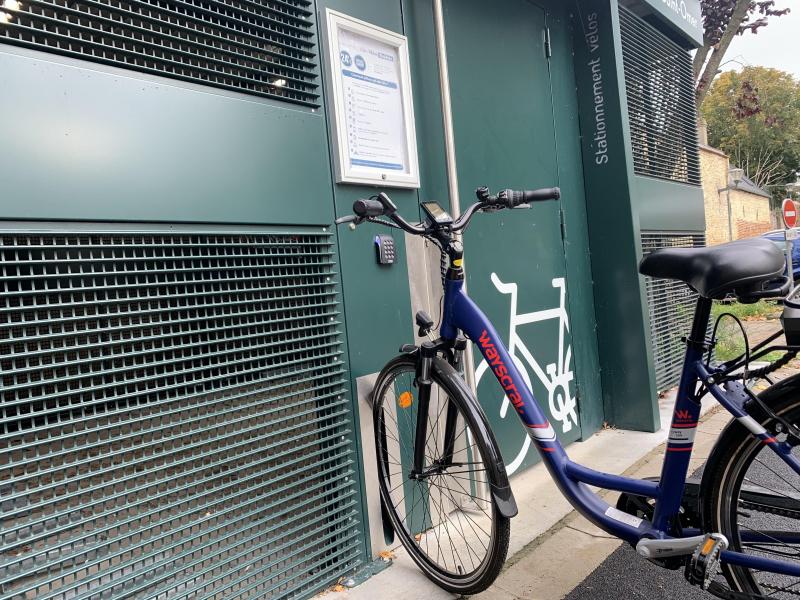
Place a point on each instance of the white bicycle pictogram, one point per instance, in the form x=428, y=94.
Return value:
x=556, y=377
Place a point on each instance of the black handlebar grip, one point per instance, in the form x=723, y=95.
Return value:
x=543, y=194
x=512, y=198
x=368, y=208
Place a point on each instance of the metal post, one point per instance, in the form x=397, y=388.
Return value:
x=447, y=109
x=788, y=253
x=730, y=214
x=450, y=152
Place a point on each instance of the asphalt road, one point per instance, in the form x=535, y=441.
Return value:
x=626, y=575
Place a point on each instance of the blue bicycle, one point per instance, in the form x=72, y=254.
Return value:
x=442, y=479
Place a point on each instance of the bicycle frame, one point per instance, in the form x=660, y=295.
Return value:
x=573, y=479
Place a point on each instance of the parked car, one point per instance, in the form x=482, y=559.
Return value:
x=777, y=236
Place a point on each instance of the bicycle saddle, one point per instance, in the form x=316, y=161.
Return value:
x=715, y=271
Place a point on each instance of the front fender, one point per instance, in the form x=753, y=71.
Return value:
x=501, y=489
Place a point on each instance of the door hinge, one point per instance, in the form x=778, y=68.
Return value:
x=548, y=49
x=563, y=226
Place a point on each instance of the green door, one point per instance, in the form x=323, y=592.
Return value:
x=505, y=137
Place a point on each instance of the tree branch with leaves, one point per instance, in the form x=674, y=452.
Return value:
x=754, y=117
x=723, y=20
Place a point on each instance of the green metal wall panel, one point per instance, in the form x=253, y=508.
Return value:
x=174, y=413
x=262, y=49
x=668, y=206
x=671, y=304
x=376, y=297
x=505, y=137
x=99, y=143
x=419, y=27
x=622, y=321
x=576, y=228
x=660, y=102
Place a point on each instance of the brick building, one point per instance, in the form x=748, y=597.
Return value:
x=733, y=210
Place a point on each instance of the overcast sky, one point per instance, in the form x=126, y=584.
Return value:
x=777, y=45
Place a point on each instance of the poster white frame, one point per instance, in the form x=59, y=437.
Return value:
x=346, y=172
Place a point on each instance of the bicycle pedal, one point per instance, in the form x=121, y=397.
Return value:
x=704, y=564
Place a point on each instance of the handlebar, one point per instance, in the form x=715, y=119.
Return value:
x=382, y=206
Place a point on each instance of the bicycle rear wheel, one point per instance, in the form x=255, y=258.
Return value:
x=754, y=500
x=445, y=516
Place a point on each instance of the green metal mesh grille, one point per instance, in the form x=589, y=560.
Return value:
x=660, y=96
x=174, y=418
x=261, y=47
x=671, y=306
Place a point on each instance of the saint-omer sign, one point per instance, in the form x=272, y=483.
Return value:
x=684, y=15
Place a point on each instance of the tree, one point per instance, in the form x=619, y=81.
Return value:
x=722, y=21
x=754, y=117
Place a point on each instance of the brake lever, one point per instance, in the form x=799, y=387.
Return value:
x=521, y=206
x=353, y=221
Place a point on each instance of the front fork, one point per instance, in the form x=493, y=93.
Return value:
x=427, y=353
x=424, y=383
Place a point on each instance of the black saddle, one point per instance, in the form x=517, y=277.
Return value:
x=716, y=271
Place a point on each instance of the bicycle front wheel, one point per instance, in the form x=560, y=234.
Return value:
x=754, y=500
x=444, y=516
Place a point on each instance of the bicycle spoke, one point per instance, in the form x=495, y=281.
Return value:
x=442, y=516
x=777, y=474
x=779, y=542
x=460, y=529
x=783, y=589
x=762, y=547
x=763, y=508
x=438, y=418
x=436, y=533
x=414, y=505
x=449, y=472
x=470, y=551
x=464, y=491
x=450, y=537
x=443, y=520
x=470, y=522
x=452, y=491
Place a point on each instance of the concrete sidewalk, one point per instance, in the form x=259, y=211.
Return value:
x=552, y=548
x=541, y=571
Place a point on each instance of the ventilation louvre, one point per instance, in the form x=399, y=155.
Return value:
x=660, y=98
x=671, y=306
x=261, y=47
x=174, y=422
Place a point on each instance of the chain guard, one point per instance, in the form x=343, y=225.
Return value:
x=642, y=508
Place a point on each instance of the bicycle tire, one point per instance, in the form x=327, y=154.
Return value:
x=734, y=461
x=416, y=532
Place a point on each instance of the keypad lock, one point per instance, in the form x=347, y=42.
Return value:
x=384, y=249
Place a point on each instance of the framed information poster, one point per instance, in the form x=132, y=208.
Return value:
x=373, y=112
